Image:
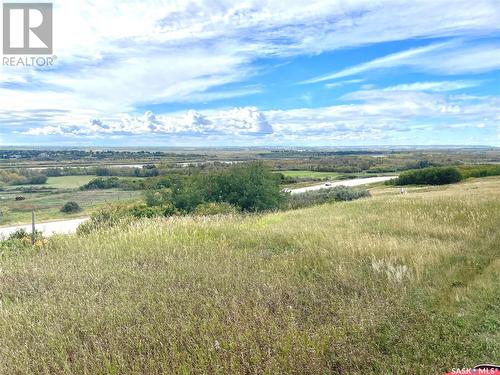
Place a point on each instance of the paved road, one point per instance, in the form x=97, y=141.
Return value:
x=53, y=227
x=353, y=182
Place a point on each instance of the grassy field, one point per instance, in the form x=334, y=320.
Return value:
x=48, y=203
x=68, y=182
x=52, y=195
x=400, y=284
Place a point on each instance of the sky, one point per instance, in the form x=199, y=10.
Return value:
x=261, y=73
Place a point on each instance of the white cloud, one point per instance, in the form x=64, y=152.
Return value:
x=117, y=56
x=374, y=114
x=395, y=59
x=234, y=122
x=453, y=57
x=437, y=86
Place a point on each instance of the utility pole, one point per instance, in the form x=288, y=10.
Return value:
x=33, y=231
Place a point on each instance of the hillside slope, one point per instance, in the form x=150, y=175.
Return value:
x=392, y=284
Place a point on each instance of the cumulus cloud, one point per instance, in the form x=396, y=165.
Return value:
x=238, y=121
x=367, y=115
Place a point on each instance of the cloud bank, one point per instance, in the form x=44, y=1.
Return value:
x=373, y=115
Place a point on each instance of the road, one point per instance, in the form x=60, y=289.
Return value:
x=53, y=227
x=353, y=182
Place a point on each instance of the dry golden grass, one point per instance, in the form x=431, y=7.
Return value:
x=392, y=284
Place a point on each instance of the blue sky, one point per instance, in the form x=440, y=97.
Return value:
x=250, y=73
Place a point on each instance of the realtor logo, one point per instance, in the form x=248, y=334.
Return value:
x=27, y=28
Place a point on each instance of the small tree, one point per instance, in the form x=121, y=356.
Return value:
x=71, y=208
x=251, y=187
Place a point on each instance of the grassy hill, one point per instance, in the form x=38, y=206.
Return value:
x=392, y=284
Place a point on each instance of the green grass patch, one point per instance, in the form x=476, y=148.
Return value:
x=47, y=204
x=68, y=182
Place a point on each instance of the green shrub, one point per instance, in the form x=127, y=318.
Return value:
x=22, y=177
x=70, y=208
x=20, y=241
x=215, y=208
x=187, y=194
x=336, y=194
x=22, y=234
x=102, y=183
x=106, y=217
x=480, y=170
x=143, y=210
x=345, y=193
x=251, y=187
x=430, y=176
x=19, y=234
x=114, y=183
x=158, y=197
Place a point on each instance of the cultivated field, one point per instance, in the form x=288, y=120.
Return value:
x=405, y=284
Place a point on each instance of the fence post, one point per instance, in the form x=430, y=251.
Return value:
x=33, y=232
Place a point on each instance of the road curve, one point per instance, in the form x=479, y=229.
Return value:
x=353, y=182
x=48, y=229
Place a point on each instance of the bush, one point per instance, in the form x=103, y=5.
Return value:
x=113, y=183
x=22, y=234
x=215, y=208
x=336, y=194
x=102, y=183
x=251, y=187
x=19, y=235
x=248, y=187
x=430, y=176
x=70, y=208
x=106, y=217
x=480, y=170
x=143, y=210
x=157, y=197
x=23, y=177
x=34, y=180
x=187, y=194
x=21, y=241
